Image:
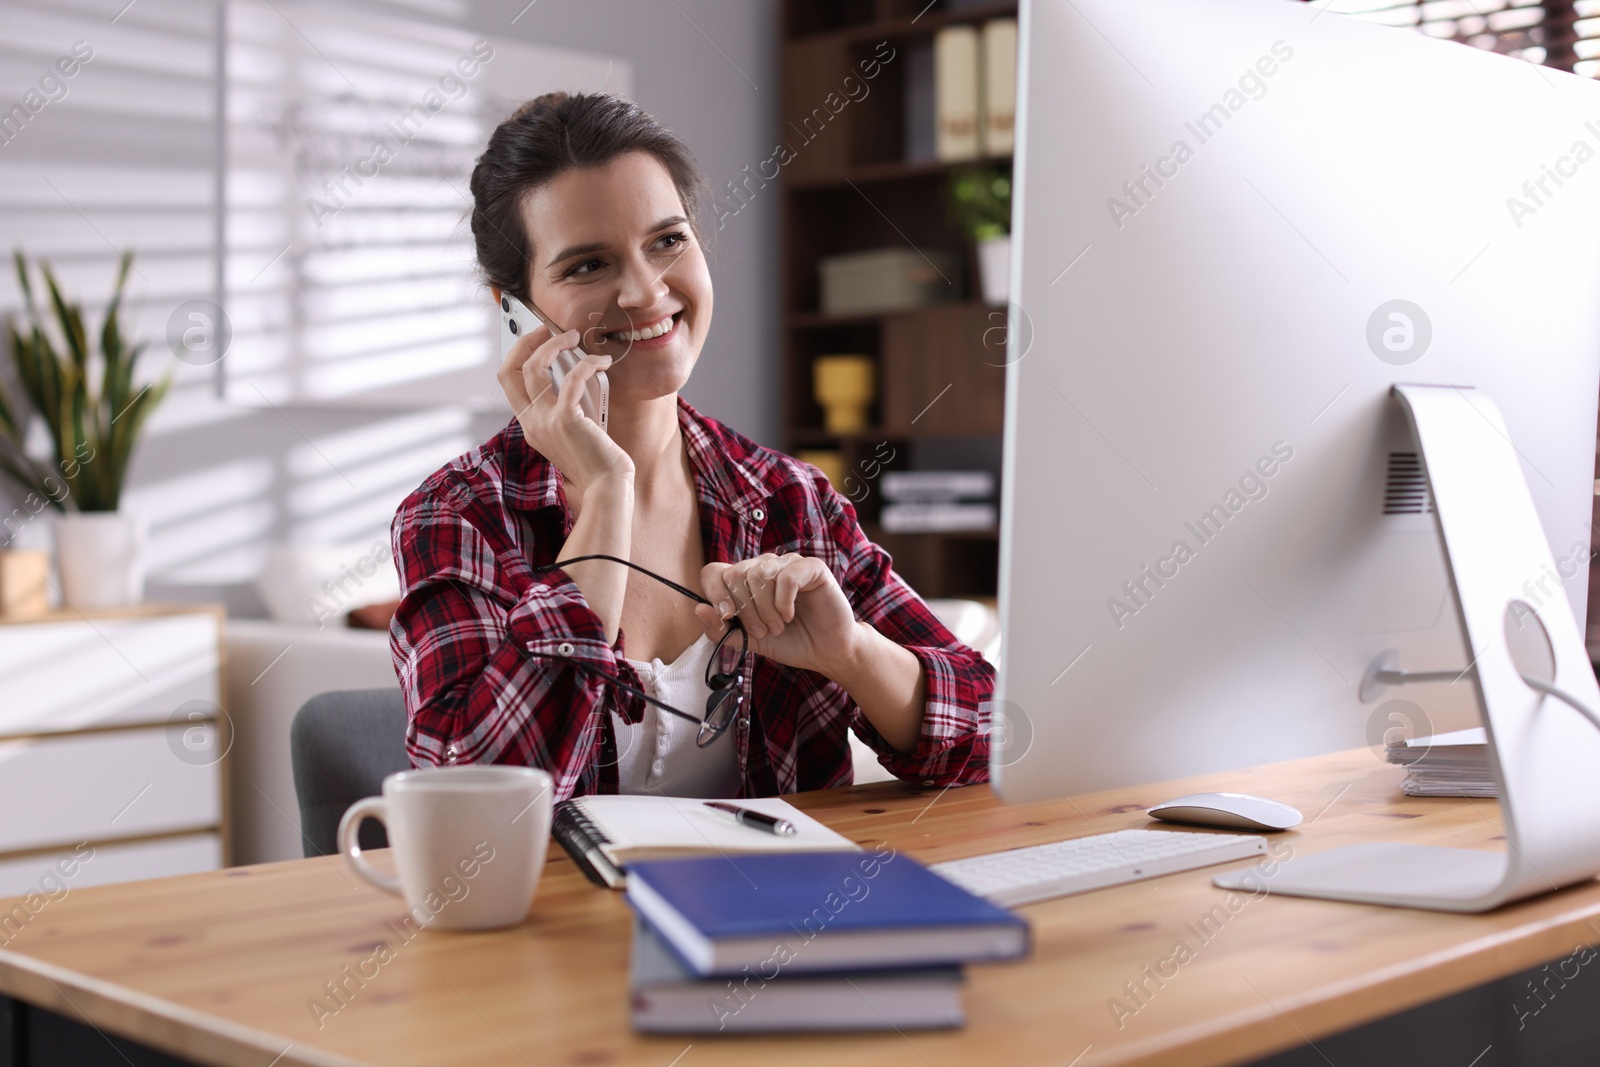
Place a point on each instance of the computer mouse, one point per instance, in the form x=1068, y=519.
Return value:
x=1230, y=811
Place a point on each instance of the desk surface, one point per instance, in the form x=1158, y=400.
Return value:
x=221, y=967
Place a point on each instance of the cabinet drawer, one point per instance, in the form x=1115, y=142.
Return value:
x=109, y=863
x=89, y=787
x=72, y=673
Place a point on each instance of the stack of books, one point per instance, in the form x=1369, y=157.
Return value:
x=1455, y=764
x=938, y=501
x=790, y=942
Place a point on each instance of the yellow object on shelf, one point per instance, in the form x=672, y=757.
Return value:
x=828, y=460
x=844, y=389
x=24, y=583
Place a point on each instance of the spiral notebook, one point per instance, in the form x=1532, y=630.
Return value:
x=603, y=833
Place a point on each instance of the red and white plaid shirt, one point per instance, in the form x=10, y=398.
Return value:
x=487, y=652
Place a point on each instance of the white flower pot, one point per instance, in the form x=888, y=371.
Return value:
x=994, y=269
x=100, y=557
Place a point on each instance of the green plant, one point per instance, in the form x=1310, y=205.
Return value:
x=86, y=398
x=979, y=201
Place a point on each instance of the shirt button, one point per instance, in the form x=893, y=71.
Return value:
x=564, y=648
x=928, y=782
x=758, y=514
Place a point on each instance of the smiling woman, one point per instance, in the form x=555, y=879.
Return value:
x=510, y=649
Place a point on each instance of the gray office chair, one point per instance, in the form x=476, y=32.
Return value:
x=343, y=744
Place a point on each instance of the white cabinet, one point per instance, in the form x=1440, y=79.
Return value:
x=113, y=746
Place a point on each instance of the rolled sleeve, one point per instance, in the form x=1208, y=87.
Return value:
x=554, y=622
x=495, y=676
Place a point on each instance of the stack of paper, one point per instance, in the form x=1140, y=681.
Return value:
x=938, y=501
x=1455, y=764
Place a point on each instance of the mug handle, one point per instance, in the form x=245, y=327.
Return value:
x=371, y=807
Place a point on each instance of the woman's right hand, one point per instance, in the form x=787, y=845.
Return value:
x=553, y=422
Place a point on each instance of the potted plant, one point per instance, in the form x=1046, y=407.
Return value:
x=979, y=200
x=93, y=413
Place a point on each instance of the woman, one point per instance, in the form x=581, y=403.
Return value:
x=601, y=673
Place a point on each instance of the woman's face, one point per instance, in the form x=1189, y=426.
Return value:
x=614, y=257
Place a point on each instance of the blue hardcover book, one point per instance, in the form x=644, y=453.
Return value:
x=821, y=911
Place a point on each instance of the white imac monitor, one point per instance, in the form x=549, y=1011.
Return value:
x=1239, y=224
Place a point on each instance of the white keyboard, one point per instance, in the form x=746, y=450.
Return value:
x=1039, y=872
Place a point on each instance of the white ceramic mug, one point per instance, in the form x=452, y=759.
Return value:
x=468, y=842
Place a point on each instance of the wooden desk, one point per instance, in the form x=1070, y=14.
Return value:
x=219, y=967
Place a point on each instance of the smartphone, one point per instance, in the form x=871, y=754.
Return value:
x=516, y=319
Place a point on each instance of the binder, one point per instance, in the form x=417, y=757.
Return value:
x=999, y=86
x=956, y=87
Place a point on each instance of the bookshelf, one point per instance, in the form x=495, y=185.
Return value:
x=850, y=187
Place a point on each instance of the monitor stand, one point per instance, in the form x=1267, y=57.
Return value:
x=1535, y=684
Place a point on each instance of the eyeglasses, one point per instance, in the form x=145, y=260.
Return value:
x=724, y=670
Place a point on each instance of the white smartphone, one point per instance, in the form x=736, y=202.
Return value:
x=516, y=319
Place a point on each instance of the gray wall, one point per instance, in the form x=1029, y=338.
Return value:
x=221, y=483
x=725, y=106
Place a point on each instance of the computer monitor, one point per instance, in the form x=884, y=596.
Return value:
x=1239, y=223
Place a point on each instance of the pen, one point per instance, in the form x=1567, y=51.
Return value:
x=755, y=819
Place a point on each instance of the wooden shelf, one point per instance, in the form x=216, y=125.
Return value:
x=942, y=565
x=913, y=25
x=817, y=437
x=877, y=533
x=940, y=391
x=142, y=610
x=894, y=171
x=816, y=320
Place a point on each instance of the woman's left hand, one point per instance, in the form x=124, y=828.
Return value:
x=791, y=608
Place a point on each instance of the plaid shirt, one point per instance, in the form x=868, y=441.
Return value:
x=488, y=653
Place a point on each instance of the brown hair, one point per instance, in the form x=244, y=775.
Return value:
x=546, y=137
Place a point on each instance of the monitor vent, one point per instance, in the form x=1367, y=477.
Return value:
x=1406, y=492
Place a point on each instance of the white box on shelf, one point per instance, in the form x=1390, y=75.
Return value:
x=888, y=279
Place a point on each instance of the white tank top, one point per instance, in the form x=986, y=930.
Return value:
x=658, y=754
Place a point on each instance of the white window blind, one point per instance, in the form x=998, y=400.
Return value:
x=377, y=307
x=351, y=139
x=362, y=292
x=1554, y=33
x=118, y=156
